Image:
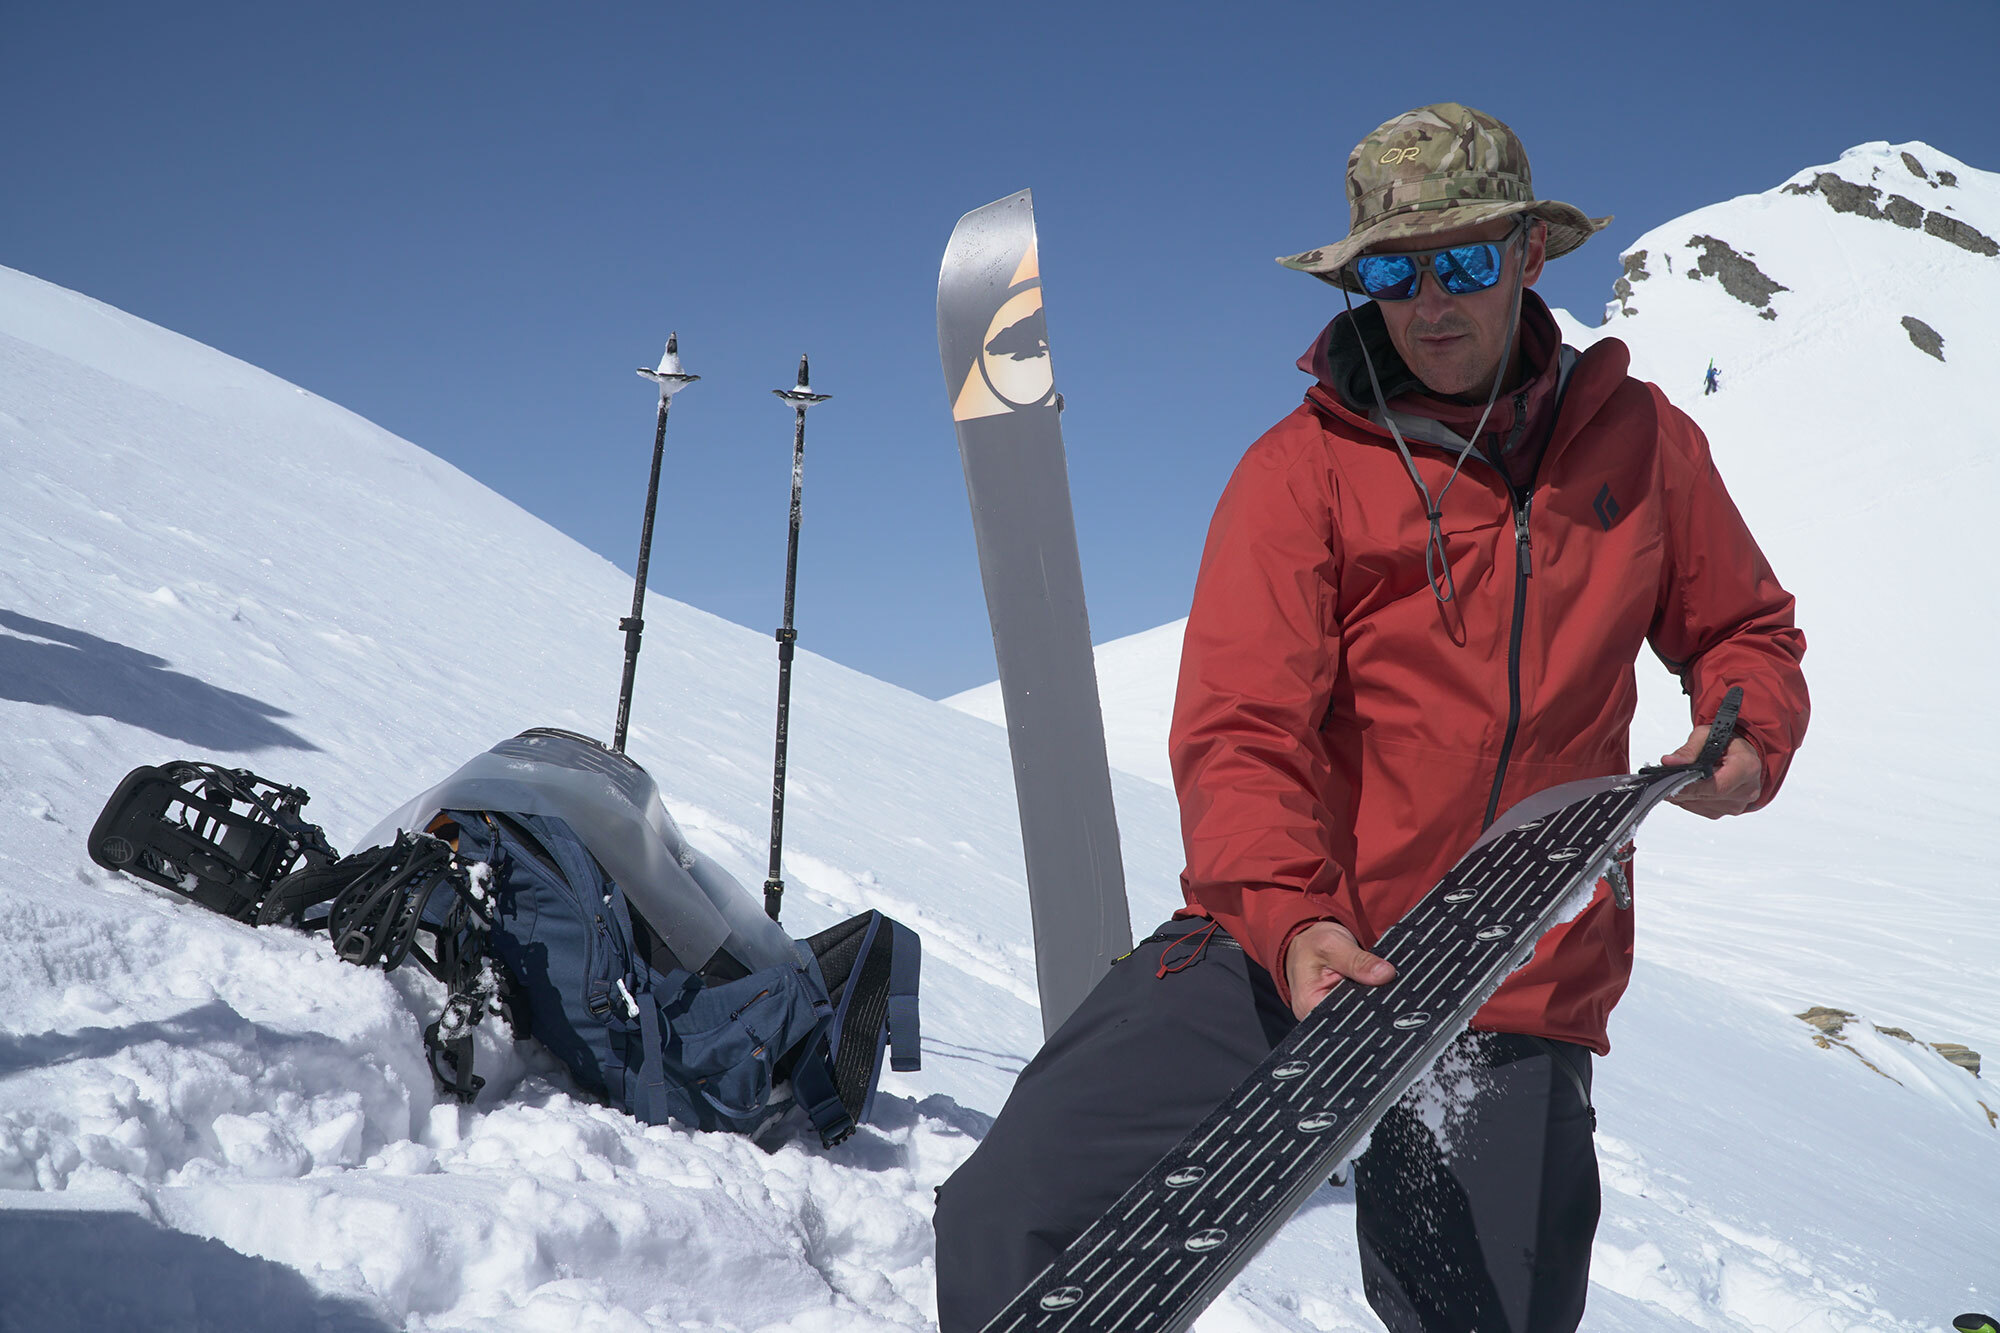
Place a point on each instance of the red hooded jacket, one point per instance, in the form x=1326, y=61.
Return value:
x=1340, y=733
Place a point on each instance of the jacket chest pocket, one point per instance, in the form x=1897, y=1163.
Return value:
x=1390, y=563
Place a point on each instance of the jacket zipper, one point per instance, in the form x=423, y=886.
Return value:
x=1523, y=570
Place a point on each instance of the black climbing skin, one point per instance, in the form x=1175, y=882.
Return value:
x=1155, y=1260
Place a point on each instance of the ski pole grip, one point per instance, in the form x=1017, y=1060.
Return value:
x=1720, y=732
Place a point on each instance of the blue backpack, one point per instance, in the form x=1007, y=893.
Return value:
x=725, y=1048
x=545, y=881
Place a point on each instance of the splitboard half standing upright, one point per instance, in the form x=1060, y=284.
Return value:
x=994, y=343
x=1154, y=1260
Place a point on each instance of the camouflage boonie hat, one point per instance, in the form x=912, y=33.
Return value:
x=1436, y=169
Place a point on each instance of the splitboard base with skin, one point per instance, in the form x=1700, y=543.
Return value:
x=1169, y=1246
x=993, y=341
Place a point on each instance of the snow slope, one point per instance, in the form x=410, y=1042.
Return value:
x=1136, y=675
x=198, y=560
x=204, y=1126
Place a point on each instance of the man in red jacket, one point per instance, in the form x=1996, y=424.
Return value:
x=1421, y=600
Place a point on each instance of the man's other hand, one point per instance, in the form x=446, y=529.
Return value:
x=1738, y=780
x=1323, y=955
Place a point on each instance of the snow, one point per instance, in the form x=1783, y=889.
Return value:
x=1137, y=693
x=207, y=1126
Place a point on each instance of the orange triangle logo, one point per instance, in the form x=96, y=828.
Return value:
x=1031, y=267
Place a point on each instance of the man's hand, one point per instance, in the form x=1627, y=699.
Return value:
x=1738, y=780
x=1320, y=957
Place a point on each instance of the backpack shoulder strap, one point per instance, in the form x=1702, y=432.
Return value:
x=905, y=1037
x=870, y=963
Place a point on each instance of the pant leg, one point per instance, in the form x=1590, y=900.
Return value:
x=1139, y=1064
x=1477, y=1199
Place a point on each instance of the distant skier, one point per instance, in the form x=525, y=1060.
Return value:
x=1711, y=381
x=1381, y=654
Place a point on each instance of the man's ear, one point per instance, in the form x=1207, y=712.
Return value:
x=1538, y=251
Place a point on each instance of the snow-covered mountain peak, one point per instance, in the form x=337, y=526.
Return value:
x=1903, y=231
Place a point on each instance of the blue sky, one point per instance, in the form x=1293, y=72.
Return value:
x=470, y=222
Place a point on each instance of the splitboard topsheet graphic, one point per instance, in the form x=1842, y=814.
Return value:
x=993, y=340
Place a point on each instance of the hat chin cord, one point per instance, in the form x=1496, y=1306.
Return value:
x=1437, y=568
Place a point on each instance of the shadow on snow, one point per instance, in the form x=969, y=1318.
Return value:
x=59, y=667
x=74, y=1271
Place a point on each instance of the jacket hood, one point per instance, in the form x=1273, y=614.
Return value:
x=1335, y=358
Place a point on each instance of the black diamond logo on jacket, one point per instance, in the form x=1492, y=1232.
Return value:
x=1606, y=507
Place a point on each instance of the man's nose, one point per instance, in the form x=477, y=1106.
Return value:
x=1431, y=298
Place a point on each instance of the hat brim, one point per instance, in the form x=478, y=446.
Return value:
x=1568, y=227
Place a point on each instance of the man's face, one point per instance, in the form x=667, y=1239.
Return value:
x=1453, y=343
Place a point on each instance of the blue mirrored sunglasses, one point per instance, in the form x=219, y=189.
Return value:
x=1459, y=269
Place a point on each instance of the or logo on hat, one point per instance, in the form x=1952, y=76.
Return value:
x=1398, y=155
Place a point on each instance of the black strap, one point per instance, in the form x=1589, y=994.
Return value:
x=379, y=903
x=870, y=965
x=859, y=1053
x=374, y=918
x=1721, y=732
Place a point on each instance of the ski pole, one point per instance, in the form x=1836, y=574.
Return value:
x=671, y=381
x=800, y=397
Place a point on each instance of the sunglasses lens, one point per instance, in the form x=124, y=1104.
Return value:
x=1387, y=277
x=1467, y=268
